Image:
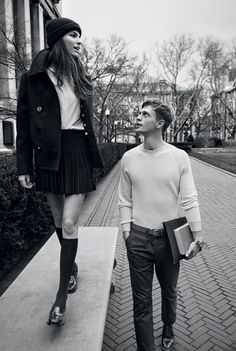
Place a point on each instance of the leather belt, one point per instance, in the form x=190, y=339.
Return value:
x=154, y=232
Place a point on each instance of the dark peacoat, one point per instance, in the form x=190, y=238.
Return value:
x=39, y=121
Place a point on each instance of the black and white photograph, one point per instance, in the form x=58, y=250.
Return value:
x=117, y=175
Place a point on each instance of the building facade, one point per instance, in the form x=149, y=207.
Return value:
x=22, y=35
x=223, y=111
x=180, y=101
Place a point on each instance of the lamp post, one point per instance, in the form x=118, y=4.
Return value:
x=107, y=113
x=115, y=124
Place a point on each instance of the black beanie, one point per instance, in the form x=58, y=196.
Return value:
x=58, y=27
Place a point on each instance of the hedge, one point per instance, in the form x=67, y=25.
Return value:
x=25, y=217
x=186, y=146
x=229, y=166
x=111, y=153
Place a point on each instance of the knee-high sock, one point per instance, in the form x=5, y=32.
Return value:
x=68, y=253
x=59, y=233
x=60, y=237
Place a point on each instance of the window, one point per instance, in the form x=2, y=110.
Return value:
x=8, y=133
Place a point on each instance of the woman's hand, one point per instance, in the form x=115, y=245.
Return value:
x=25, y=181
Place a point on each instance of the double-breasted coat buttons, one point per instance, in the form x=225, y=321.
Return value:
x=39, y=109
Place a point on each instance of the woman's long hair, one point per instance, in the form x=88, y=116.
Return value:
x=66, y=66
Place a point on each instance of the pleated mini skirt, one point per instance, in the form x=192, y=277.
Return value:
x=75, y=171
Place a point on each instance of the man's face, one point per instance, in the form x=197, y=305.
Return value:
x=147, y=121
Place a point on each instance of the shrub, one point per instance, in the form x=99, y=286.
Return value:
x=230, y=143
x=214, y=142
x=200, y=142
x=190, y=138
x=24, y=216
x=111, y=153
x=183, y=145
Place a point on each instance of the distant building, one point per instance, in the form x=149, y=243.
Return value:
x=223, y=111
x=22, y=35
x=165, y=93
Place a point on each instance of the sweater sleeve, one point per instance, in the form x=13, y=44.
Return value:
x=188, y=194
x=125, y=197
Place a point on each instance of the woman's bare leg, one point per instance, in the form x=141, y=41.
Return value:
x=56, y=203
x=70, y=221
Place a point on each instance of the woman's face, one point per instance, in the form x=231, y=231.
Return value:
x=72, y=42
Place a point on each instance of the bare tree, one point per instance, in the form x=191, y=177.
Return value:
x=14, y=57
x=114, y=73
x=217, y=71
x=141, y=86
x=202, y=115
x=232, y=54
x=174, y=56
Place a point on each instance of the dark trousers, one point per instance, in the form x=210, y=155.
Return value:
x=144, y=253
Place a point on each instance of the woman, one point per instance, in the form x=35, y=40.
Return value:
x=54, y=126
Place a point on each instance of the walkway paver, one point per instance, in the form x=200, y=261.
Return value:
x=206, y=318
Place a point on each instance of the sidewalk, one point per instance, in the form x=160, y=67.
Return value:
x=206, y=318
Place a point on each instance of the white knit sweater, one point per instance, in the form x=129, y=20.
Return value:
x=153, y=184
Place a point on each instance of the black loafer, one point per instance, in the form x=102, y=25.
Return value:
x=56, y=316
x=167, y=339
x=73, y=283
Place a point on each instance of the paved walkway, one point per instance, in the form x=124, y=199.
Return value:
x=206, y=317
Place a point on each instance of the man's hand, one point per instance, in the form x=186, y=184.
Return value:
x=126, y=235
x=25, y=181
x=193, y=250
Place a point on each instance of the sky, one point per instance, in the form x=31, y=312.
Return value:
x=144, y=22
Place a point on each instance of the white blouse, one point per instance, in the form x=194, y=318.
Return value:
x=69, y=104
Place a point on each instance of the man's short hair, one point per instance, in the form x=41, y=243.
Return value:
x=162, y=111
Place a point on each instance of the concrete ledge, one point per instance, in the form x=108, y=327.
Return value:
x=26, y=304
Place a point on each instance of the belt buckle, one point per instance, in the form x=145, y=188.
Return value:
x=154, y=232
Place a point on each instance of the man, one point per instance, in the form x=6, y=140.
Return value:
x=154, y=175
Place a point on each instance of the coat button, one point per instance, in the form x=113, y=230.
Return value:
x=84, y=124
x=38, y=148
x=86, y=133
x=39, y=108
x=82, y=115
